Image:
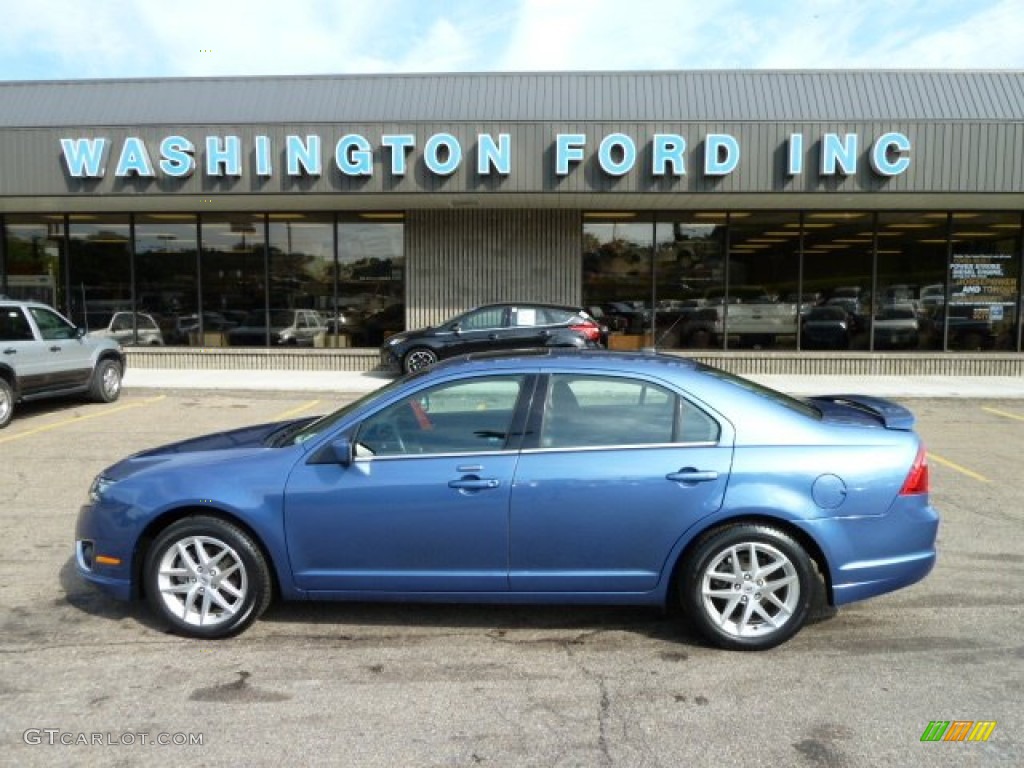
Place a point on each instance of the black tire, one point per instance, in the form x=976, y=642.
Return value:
x=217, y=588
x=6, y=403
x=105, y=386
x=418, y=358
x=730, y=603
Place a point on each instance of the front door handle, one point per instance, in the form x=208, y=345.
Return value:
x=10, y=351
x=55, y=348
x=691, y=475
x=474, y=483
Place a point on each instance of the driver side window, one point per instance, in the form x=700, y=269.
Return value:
x=493, y=317
x=468, y=416
x=51, y=325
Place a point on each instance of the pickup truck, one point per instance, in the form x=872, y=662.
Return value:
x=755, y=317
x=42, y=354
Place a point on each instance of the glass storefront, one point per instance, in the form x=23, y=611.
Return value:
x=278, y=279
x=815, y=280
x=772, y=280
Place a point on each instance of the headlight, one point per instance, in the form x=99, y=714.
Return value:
x=99, y=487
x=393, y=340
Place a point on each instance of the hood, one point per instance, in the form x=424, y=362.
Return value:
x=235, y=439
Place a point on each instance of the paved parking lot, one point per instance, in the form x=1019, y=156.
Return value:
x=387, y=685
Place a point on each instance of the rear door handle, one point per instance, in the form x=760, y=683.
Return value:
x=10, y=351
x=56, y=348
x=691, y=475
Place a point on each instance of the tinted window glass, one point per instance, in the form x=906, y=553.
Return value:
x=456, y=417
x=51, y=325
x=483, y=319
x=590, y=411
x=14, y=325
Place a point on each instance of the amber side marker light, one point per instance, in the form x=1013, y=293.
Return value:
x=107, y=560
x=917, y=477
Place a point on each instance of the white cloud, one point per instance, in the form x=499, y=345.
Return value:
x=122, y=38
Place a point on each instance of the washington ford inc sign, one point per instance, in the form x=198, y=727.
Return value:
x=442, y=154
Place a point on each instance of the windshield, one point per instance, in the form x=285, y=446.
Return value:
x=326, y=423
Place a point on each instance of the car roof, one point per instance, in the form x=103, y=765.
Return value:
x=543, y=304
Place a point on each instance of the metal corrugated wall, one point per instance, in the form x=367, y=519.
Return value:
x=562, y=96
x=458, y=259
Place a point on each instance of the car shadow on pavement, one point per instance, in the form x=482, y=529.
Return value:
x=89, y=600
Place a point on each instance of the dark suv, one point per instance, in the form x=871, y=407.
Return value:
x=494, y=327
x=42, y=354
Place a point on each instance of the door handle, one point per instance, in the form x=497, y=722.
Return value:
x=10, y=351
x=691, y=475
x=474, y=483
x=55, y=348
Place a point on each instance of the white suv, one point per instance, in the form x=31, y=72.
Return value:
x=42, y=354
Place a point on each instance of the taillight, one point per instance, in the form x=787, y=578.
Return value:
x=917, y=477
x=589, y=330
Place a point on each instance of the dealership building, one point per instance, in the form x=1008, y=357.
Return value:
x=861, y=221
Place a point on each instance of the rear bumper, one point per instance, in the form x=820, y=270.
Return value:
x=870, y=556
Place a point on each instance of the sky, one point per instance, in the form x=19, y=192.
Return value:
x=73, y=39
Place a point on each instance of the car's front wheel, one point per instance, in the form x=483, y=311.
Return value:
x=106, y=382
x=417, y=359
x=207, y=578
x=747, y=587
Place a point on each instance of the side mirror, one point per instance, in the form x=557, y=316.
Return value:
x=343, y=451
x=456, y=328
x=340, y=451
x=80, y=333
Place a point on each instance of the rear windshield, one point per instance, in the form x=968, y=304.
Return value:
x=794, y=404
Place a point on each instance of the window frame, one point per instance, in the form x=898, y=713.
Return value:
x=535, y=428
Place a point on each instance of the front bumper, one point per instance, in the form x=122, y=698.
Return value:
x=95, y=547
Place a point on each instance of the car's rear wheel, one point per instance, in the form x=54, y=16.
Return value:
x=6, y=403
x=207, y=578
x=747, y=587
x=417, y=359
x=106, y=382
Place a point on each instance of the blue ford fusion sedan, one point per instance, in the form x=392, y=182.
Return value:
x=552, y=477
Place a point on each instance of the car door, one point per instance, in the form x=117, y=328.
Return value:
x=68, y=358
x=423, y=506
x=20, y=350
x=528, y=327
x=619, y=469
x=481, y=330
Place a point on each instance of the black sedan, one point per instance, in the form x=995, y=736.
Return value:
x=494, y=327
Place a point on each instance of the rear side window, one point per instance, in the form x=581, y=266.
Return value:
x=14, y=325
x=584, y=411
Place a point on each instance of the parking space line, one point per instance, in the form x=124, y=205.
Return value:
x=294, y=411
x=77, y=419
x=1008, y=415
x=963, y=470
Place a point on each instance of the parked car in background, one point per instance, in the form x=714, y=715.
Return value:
x=827, y=327
x=129, y=328
x=897, y=326
x=283, y=327
x=494, y=327
x=186, y=326
x=553, y=477
x=43, y=354
x=933, y=296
